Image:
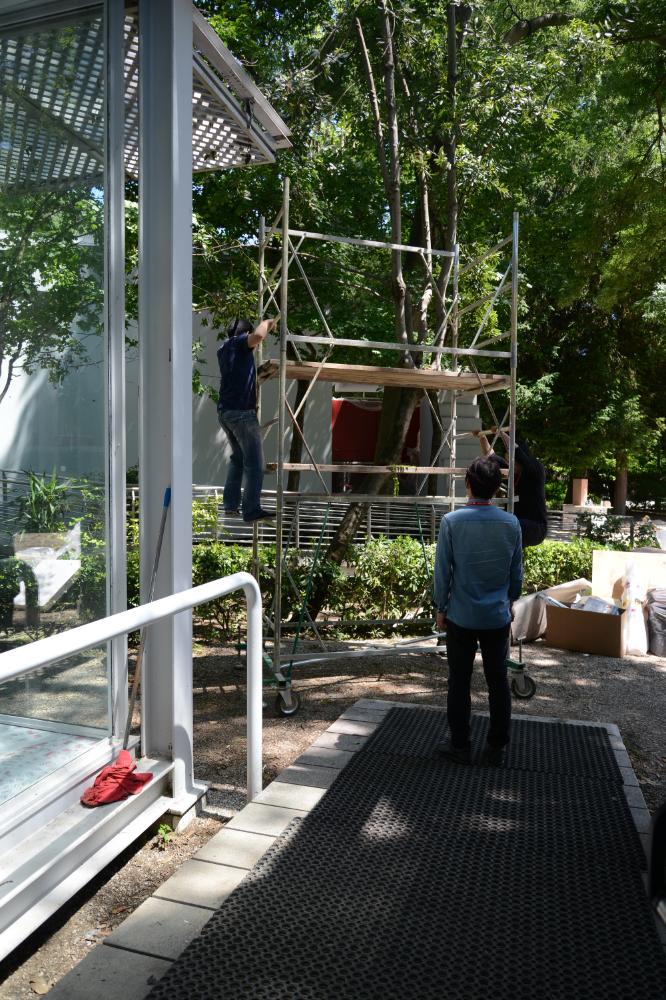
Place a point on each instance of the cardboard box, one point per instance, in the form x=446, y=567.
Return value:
x=585, y=631
x=530, y=611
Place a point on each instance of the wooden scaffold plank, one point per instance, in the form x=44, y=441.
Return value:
x=409, y=378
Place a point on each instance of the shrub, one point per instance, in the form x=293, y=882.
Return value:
x=91, y=580
x=210, y=562
x=205, y=518
x=615, y=532
x=551, y=563
x=46, y=503
x=390, y=578
x=13, y=571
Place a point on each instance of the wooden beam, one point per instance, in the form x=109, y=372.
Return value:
x=409, y=378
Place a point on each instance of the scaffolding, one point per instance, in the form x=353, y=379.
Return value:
x=452, y=341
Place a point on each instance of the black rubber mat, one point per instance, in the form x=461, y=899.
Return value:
x=415, y=879
x=528, y=811
x=554, y=747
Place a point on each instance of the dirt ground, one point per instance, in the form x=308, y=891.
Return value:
x=630, y=692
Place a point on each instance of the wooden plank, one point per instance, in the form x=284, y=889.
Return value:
x=409, y=378
x=409, y=470
x=399, y=470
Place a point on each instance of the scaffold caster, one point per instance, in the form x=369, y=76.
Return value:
x=522, y=685
x=287, y=702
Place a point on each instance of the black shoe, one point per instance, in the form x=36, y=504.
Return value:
x=459, y=755
x=232, y=513
x=492, y=757
x=262, y=515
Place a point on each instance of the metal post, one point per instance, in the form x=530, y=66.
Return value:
x=454, y=367
x=114, y=302
x=282, y=391
x=165, y=362
x=259, y=353
x=254, y=691
x=514, y=361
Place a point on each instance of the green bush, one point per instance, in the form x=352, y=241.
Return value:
x=91, y=580
x=615, y=532
x=205, y=518
x=390, y=578
x=46, y=503
x=13, y=571
x=551, y=563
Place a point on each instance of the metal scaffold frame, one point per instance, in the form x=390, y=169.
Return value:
x=462, y=378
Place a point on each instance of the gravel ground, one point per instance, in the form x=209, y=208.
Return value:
x=630, y=692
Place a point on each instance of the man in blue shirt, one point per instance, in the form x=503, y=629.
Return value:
x=237, y=415
x=478, y=576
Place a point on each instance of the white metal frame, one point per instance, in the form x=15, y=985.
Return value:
x=114, y=322
x=165, y=363
x=43, y=652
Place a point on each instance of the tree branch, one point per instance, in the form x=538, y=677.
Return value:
x=523, y=29
x=374, y=104
x=395, y=210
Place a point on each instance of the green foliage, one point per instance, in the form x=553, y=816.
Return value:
x=51, y=291
x=391, y=578
x=91, y=580
x=556, y=487
x=164, y=836
x=205, y=517
x=13, y=572
x=623, y=533
x=551, y=563
x=46, y=503
x=565, y=126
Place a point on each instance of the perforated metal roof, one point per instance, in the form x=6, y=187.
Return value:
x=52, y=105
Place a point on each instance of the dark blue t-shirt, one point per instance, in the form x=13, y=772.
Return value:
x=238, y=375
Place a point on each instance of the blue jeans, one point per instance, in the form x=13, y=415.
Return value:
x=246, y=465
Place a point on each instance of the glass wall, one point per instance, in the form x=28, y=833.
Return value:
x=52, y=381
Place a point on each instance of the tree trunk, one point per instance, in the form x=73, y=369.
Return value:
x=436, y=442
x=296, y=448
x=457, y=18
x=397, y=411
x=398, y=284
x=620, y=490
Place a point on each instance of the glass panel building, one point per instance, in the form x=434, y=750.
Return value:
x=91, y=94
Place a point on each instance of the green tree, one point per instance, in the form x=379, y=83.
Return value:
x=51, y=284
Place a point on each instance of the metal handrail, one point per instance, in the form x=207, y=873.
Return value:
x=42, y=652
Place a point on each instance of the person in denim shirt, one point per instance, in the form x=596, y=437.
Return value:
x=237, y=415
x=478, y=576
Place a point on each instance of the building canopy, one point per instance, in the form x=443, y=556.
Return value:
x=52, y=105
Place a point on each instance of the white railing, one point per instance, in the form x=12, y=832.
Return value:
x=42, y=652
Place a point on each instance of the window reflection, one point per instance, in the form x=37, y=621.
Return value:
x=52, y=379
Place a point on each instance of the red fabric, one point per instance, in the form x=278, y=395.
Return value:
x=355, y=428
x=116, y=782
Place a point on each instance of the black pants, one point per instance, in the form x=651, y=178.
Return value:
x=461, y=645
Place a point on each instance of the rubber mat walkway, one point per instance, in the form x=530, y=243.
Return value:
x=414, y=878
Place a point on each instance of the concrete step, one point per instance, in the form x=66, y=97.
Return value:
x=59, y=858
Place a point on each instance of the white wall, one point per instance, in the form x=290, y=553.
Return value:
x=42, y=425
x=45, y=426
